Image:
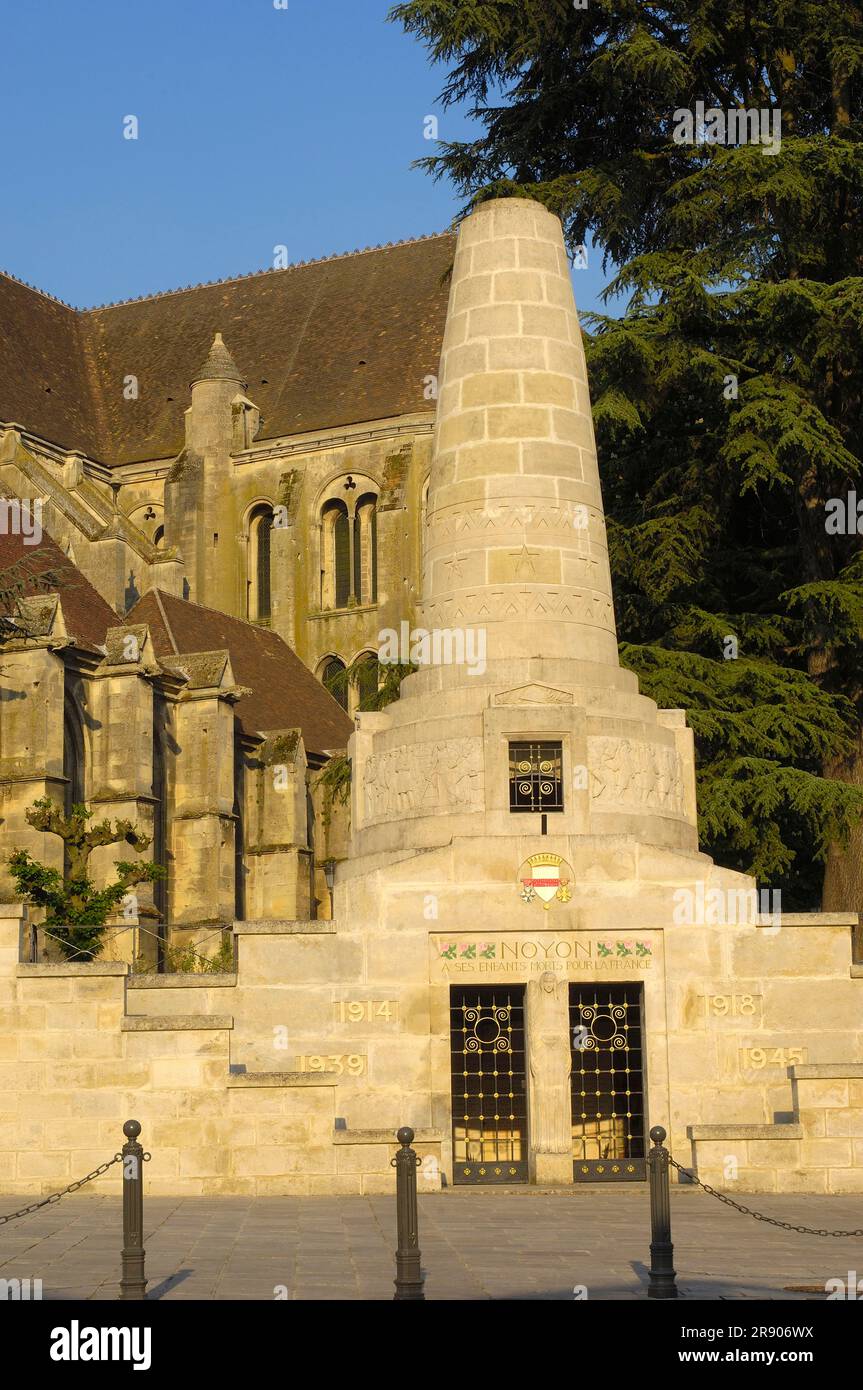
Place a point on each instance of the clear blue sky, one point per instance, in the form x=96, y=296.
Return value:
x=257, y=127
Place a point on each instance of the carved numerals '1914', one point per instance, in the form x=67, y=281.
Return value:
x=755, y=1058
x=366, y=1010
x=354, y=1063
x=731, y=1005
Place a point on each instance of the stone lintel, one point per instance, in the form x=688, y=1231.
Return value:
x=744, y=1132
x=181, y=1023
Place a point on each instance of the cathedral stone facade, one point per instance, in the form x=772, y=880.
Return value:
x=526, y=957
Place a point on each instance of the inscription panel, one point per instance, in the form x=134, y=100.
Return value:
x=516, y=953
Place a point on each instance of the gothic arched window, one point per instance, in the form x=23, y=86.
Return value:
x=159, y=851
x=366, y=680
x=73, y=754
x=73, y=763
x=366, y=549
x=260, y=563
x=335, y=556
x=332, y=676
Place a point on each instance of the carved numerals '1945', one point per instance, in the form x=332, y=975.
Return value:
x=731, y=1005
x=353, y=1063
x=758, y=1057
x=366, y=1010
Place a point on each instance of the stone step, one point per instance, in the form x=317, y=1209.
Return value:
x=182, y=981
x=283, y=1078
x=182, y=1023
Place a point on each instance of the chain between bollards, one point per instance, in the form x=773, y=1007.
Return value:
x=662, y=1275
x=409, y=1279
x=133, y=1284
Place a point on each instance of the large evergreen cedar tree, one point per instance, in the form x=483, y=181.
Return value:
x=732, y=263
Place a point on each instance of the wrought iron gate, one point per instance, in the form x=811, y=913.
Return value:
x=607, y=1082
x=489, y=1105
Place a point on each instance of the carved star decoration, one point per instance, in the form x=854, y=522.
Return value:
x=524, y=560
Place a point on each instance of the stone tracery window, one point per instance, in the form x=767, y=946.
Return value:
x=349, y=548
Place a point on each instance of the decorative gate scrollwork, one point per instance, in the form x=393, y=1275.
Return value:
x=607, y=1082
x=489, y=1109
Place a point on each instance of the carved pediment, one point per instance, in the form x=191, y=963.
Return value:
x=534, y=695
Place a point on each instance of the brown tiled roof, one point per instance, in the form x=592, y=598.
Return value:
x=44, y=380
x=332, y=342
x=86, y=613
x=284, y=693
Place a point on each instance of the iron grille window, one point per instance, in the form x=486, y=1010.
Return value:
x=536, y=777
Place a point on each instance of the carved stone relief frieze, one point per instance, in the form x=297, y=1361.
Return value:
x=626, y=773
x=442, y=777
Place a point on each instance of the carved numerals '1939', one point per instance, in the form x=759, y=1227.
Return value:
x=354, y=1063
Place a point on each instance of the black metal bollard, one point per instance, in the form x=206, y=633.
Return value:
x=662, y=1275
x=133, y=1284
x=409, y=1279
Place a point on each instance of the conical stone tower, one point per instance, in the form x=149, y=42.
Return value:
x=517, y=595
x=516, y=537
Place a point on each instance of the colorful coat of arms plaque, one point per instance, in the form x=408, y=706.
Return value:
x=545, y=878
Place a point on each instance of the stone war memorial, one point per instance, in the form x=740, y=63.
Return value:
x=512, y=943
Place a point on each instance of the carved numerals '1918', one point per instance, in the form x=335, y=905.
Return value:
x=353, y=1063
x=731, y=1005
x=366, y=1010
x=758, y=1057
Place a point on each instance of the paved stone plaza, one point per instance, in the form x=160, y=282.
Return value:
x=475, y=1244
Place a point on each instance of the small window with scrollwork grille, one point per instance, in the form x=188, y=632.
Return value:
x=536, y=777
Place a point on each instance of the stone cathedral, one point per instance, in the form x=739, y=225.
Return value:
x=517, y=948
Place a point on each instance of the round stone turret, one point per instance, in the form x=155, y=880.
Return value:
x=516, y=542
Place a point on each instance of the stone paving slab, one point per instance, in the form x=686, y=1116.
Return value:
x=476, y=1244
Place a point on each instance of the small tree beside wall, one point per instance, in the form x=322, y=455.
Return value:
x=75, y=908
